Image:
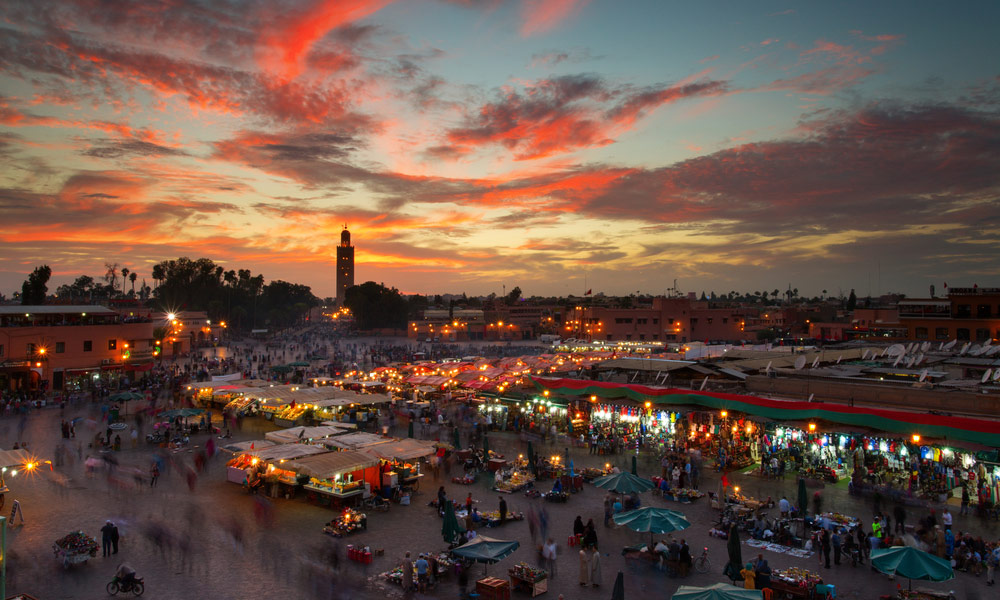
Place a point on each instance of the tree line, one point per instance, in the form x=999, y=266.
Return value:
x=236, y=296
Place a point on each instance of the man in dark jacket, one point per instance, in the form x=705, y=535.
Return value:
x=106, y=533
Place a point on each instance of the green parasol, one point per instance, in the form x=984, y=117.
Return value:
x=298, y=363
x=486, y=448
x=450, y=529
x=485, y=550
x=182, y=412
x=409, y=430
x=652, y=520
x=126, y=396
x=281, y=368
x=718, y=591
x=911, y=563
x=635, y=471
x=623, y=483
x=458, y=439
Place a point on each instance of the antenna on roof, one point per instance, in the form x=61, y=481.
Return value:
x=949, y=345
x=898, y=358
x=920, y=359
x=839, y=357
x=895, y=350
x=815, y=362
x=996, y=375
x=965, y=347
x=865, y=355
x=986, y=376
x=810, y=398
x=800, y=362
x=910, y=362
x=704, y=382
x=923, y=376
x=767, y=369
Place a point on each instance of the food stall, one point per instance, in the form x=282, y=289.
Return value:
x=346, y=523
x=352, y=441
x=445, y=564
x=529, y=579
x=268, y=464
x=399, y=460
x=243, y=447
x=794, y=582
x=304, y=434
x=335, y=477
x=829, y=520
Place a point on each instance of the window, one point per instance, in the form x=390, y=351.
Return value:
x=920, y=333
x=29, y=348
x=642, y=336
x=1, y=350
x=983, y=311
x=941, y=333
x=628, y=336
x=112, y=344
x=60, y=347
x=709, y=320
x=670, y=321
x=641, y=321
x=982, y=334
x=694, y=321
x=656, y=321
x=963, y=311
x=962, y=334
x=88, y=345
x=725, y=320
x=656, y=336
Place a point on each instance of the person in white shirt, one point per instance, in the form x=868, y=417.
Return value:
x=946, y=518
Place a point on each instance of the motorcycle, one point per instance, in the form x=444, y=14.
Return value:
x=135, y=586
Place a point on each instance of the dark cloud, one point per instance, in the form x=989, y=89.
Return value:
x=121, y=148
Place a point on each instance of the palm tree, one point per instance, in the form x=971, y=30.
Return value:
x=132, y=277
x=125, y=272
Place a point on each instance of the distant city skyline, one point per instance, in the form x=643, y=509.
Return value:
x=472, y=146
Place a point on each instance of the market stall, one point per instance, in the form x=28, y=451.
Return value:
x=337, y=476
x=303, y=434
x=346, y=523
x=443, y=565
x=794, y=582
x=257, y=466
x=243, y=447
x=526, y=578
x=75, y=548
x=399, y=460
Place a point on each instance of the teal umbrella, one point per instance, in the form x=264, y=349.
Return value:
x=281, y=368
x=182, y=412
x=803, y=498
x=409, y=430
x=450, y=529
x=299, y=363
x=485, y=550
x=911, y=563
x=458, y=439
x=718, y=591
x=652, y=520
x=126, y=396
x=623, y=483
x=635, y=471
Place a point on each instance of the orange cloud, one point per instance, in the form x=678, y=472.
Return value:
x=288, y=42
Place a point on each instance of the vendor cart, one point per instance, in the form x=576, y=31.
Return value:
x=75, y=548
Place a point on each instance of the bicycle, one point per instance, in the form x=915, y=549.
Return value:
x=702, y=564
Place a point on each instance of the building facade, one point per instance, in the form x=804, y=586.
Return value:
x=67, y=348
x=967, y=315
x=668, y=320
x=345, y=265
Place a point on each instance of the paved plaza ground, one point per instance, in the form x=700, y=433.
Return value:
x=199, y=557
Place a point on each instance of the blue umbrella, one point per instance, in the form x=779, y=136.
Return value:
x=485, y=550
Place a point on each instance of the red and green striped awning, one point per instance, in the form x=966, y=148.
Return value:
x=968, y=429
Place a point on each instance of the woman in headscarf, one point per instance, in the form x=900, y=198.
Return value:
x=748, y=575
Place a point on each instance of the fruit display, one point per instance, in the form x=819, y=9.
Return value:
x=527, y=572
x=77, y=543
x=492, y=517
x=839, y=519
x=690, y=494
x=797, y=576
x=241, y=405
x=516, y=481
x=291, y=412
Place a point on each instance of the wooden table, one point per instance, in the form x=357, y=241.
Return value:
x=788, y=590
x=491, y=588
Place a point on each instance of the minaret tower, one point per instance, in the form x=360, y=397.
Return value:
x=345, y=265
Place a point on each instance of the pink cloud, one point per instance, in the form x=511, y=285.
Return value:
x=540, y=16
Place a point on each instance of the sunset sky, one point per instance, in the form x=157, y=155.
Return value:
x=555, y=145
